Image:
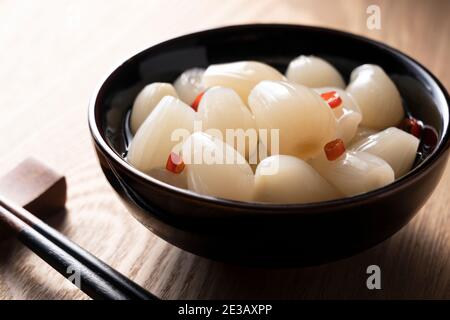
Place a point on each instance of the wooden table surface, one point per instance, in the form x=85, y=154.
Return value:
x=54, y=53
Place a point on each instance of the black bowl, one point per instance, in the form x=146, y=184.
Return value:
x=257, y=233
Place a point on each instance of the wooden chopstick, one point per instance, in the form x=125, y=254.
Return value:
x=97, y=279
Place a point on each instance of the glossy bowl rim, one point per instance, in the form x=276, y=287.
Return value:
x=410, y=177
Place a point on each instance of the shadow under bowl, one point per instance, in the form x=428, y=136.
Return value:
x=257, y=233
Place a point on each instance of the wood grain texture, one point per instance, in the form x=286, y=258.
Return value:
x=54, y=53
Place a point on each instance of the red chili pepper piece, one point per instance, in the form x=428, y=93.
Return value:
x=196, y=102
x=175, y=163
x=332, y=98
x=334, y=149
x=429, y=138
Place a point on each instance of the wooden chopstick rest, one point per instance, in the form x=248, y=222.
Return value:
x=36, y=187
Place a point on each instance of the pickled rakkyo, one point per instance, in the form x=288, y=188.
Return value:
x=154, y=140
x=189, y=85
x=147, y=100
x=354, y=172
x=243, y=131
x=314, y=72
x=377, y=97
x=240, y=76
x=223, y=112
x=347, y=113
x=395, y=146
x=216, y=169
x=362, y=133
x=348, y=103
x=304, y=120
x=287, y=179
x=347, y=125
